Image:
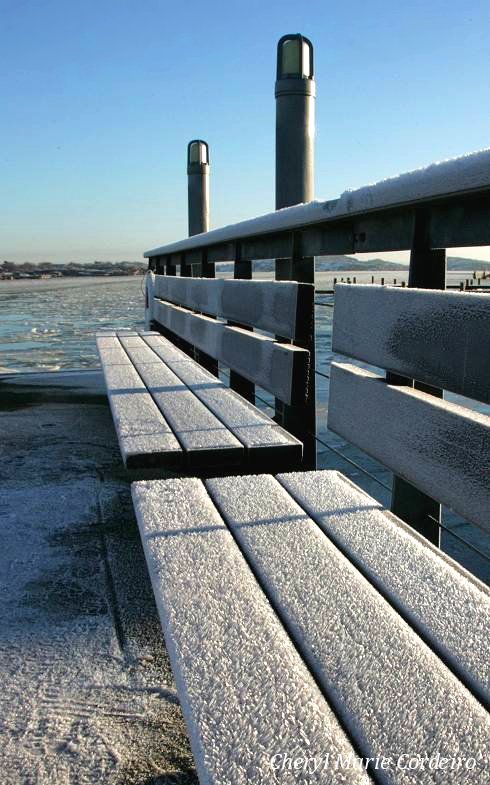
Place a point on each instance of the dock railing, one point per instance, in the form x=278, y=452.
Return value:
x=425, y=212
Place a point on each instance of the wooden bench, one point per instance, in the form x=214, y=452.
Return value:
x=170, y=412
x=301, y=618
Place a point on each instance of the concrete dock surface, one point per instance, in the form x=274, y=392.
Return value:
x=87, y=694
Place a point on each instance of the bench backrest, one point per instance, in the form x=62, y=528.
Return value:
x=440, y=339
x=195, y=310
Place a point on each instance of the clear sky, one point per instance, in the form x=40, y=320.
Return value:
x=99, y=100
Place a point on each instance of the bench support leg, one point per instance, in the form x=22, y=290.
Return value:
x=300, y=420
x=417, y=509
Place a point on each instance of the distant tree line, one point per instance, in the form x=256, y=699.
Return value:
x=66, y=269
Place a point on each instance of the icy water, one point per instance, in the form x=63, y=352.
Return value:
x=50, y=325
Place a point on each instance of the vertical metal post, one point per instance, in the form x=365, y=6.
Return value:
x=427, y=271
x=170, y=269
x=198, y=215
x=185, y=269
x=198, y=186
x=295, y=92
x=295, y=121
x=242, y=269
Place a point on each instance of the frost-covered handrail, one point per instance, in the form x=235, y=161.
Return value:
x=468, y=175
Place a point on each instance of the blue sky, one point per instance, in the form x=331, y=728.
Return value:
x=99, y=100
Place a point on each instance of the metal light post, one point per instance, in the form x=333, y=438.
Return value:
x=198, y=216
x=295, y=93
x=198, y=186
x=295, y=121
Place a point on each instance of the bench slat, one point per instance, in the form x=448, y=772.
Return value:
x=424, y=585
x=388, y=687
x=279, y=307
x=440, y=338
x=144, y=436
x=111, y=352
x=442, y=448
x=198, y=294
x=206, y=441
x=263, y=439
x=245, y=693
x=281, y=369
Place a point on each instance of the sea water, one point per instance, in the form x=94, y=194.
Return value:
x=50, y=325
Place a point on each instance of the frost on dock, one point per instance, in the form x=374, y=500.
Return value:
x=87, y=692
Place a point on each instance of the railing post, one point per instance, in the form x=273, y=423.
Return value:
x=242, y=269
x=427, y=271
x=170, y=269
x=198, y=215
x=295, y=93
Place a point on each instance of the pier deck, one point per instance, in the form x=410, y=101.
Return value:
x=87, y=691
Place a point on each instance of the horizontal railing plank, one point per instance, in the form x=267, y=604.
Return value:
x=245, y=693
x=440, y=338
x=458, y=221
x=455, y=197
x=441, y=448
x=282, y=369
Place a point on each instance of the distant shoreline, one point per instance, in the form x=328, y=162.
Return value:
x=17, y=284
x=322, y=276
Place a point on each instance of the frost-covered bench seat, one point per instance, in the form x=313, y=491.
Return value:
x=246, y=694
x=170, y=412
x=295, y=606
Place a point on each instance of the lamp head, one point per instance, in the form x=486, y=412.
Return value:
x=294, y=57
